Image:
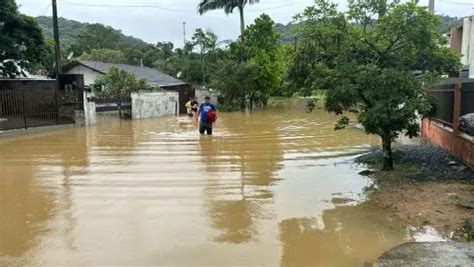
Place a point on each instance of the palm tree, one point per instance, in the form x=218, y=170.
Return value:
x=228, y=6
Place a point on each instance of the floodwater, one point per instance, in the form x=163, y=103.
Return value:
x=270, y=188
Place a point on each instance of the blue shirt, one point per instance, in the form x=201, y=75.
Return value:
x=204, y=108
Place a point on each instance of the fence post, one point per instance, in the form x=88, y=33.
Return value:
x=457, y=108
x=24, y=107
x=56, y=92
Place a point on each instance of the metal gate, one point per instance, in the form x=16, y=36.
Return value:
x=26, y=104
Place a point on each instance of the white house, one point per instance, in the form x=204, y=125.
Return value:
x=92, y=69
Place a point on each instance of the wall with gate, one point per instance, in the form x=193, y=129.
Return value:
x=185, y=92
x=454, y=98
x=154, y=104
x=32, y=103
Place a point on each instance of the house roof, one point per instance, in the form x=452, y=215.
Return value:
x=152, y=76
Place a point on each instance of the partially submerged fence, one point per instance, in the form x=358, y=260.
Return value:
x=105, y=104
x=34, y=103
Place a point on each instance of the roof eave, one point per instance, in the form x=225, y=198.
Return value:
x=79, y=63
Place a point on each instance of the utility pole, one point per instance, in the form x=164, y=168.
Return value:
x=431, y=6
x=57, y=50
x=184, y=33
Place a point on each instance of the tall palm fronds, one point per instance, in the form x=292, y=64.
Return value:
x=228, y=6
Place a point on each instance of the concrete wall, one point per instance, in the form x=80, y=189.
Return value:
x=89, y=75
x=90, y=114
x=467, y=48
x=87, y=116
x=455, y=40
x=460, y=145
x=185, y=92
x=154, y=104
x=200, y=94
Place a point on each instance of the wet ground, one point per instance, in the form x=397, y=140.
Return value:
x=270, y=188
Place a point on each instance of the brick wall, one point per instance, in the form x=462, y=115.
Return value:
x=460, y=145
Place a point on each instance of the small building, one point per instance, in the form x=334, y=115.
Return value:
x=154, y=77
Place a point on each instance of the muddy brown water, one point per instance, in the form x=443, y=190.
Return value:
x=270, y=188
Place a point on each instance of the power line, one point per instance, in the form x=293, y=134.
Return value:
x=456, y=3
x=164, y=8
x=277, y=7
x=125, y=6
x=46, y=9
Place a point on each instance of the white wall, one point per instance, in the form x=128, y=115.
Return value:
x=467, y=48
x=89, y=111
x=89, y=75
x=154, y=104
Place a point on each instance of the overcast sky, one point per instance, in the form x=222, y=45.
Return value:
x=162, y=20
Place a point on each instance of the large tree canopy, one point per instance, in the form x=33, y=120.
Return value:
x=21, y=41
x=372, y=60
x=260, y=76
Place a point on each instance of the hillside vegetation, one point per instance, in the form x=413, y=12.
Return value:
x=69, y=28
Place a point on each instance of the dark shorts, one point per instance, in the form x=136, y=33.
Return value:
x=205, y=126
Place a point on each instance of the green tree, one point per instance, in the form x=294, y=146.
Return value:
x=322, y=38
x=264, y=54
x=119, y=83
x=229, y=6
x=21, y=41
x=233, y=80
x=262, y=37
x=205, y=42
x=380, y=56
x=136, y=55
x=105, y=55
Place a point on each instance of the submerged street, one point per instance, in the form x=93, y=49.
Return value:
x=270, y=188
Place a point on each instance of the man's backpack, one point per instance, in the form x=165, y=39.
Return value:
x=211, y=116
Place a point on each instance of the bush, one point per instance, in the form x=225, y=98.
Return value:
x=118, y=83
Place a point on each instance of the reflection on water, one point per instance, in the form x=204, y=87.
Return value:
x=352, y=236
x=258, y=192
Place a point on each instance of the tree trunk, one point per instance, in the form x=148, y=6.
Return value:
x=387, y=153
x=242, y=33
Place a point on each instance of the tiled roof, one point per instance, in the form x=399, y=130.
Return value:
x=152, y=76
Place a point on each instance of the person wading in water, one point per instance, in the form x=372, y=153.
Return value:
x=208, y=114
x=192, y=107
